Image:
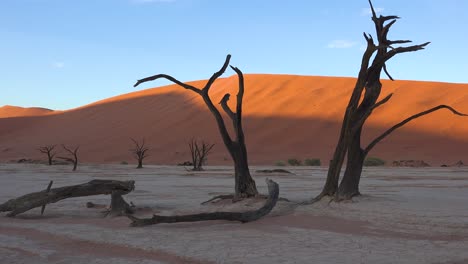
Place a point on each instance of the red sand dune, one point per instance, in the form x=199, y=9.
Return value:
x=14, y=111
x=285, y=116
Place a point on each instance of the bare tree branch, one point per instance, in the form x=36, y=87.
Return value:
x=169, y=78
x=402, y=123
x=217, y=74
x=383, y=101
x=386, y=72
x=225, y=106
x=74, y=155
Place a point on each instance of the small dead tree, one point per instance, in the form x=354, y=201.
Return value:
x=49, y=151
x=362, y=103
x=244, y=184
x=199, y=152
x=73, y=155
x=139, y=152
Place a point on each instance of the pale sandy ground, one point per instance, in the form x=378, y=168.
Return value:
x=406, y=216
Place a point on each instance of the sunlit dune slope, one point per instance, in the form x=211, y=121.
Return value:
x=15, y=111
x=285, y=116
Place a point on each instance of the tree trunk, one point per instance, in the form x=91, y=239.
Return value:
x=349, y=185
x=37, y=199
x=75, y=164
x=140, y=164
x=244, y=184
x=119, y=206
x=50, y=160
x=273, y=194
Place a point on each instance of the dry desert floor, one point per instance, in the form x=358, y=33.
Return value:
x=405, y=215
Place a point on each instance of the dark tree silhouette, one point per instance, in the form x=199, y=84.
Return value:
x=73, y=155
x=244, y=184
x=49, y=151
x=362, y=103
x=139, y=152
x=199, y=152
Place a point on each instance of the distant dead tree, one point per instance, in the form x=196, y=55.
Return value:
x=199, y=152
x=361, y=104
x=244, y=184
x=139, y=152
x=49, y=151
x=74, y=155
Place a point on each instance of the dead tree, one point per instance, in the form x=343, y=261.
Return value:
x=244, y=184
x=73, y=156
x=139, y=152
x=249, y=216
x=49, y=151
x=199, y=152
x=363, y=101
x=94, y=187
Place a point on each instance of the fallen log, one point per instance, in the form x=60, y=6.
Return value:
x=249, y=216
x=42, y=198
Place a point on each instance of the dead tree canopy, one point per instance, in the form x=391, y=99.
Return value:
x=73, y=155
x=363, y=101
x=49, y=151
x=199, y=152
x=42, y=198
x=244, y=184
x=139, y=152
x=249, y=216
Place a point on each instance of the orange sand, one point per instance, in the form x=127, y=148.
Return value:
x=14, y=111
x=285, y=116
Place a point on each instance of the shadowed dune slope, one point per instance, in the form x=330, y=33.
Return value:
x=285, y=116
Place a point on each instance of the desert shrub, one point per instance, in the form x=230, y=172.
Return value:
x=312, y=162
x=123, y=163
x=294, y=162
x=280, y=163
x=373, y=161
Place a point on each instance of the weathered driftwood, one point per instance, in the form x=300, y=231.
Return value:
x=37, y=199
x=119, y=206
x=47, y=190
x=273, y=194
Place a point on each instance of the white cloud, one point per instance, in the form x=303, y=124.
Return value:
x=58, y=65
x=341, y=44
x=368, y=11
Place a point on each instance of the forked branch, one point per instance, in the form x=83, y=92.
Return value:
x=74, y=155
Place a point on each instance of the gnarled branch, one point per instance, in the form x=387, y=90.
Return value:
x=226, y=107
x=169, y=78
x=402, y=123
x=273, y=190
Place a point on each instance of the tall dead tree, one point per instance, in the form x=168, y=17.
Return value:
x=199, y=152
x=363, y=101
x=49, y=151
x=73, y=155
x=139, y=152
x=244, y=184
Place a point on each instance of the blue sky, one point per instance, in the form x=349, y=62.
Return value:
x=62, y=54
